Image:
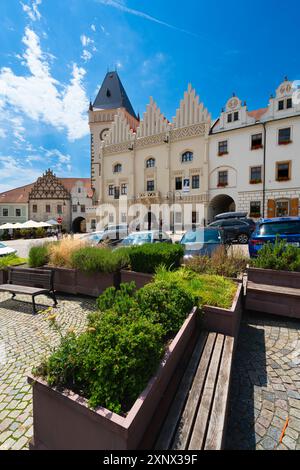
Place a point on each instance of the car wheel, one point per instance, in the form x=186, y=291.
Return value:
x=243, y=239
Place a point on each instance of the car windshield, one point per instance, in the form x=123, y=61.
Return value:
x=291, y=227
x=2, y=245
x=137, y=238
x=201, y=236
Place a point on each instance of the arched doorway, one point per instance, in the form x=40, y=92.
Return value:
x=219, y=204
x=79, y=225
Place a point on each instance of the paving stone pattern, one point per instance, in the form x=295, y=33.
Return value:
x=24, y=340
x=265, y=385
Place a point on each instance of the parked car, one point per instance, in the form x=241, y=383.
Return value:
x=109, y=233
x=203, y=241
x=235, y=230
x=267, y=230
x=6, y=250
x=148, y=236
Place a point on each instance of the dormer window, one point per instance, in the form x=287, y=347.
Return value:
x=229, y=118
x=280, y=105
x=289, y=103
x=285, y=104
x=236, y=116
x=118, y=168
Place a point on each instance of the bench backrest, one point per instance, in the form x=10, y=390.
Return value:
x=42, y=278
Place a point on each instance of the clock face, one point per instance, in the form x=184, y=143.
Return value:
x=103, y=134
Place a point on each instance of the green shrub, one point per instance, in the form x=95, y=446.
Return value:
x=279, y=256
x=11, y=260
x=5, y=235
x=147, y=258
x=111, y=363
x=40, y=232
x=38, y=256
x=26, y=232
x=223, y=262
x=93, y=259
x=211, y=289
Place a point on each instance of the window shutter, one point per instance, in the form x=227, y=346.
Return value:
x=294, y=207
x=271, y=208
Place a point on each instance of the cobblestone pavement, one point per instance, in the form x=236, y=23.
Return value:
x=24, y=340
x=265, y=385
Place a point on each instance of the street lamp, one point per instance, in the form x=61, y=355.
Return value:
x=173, y=195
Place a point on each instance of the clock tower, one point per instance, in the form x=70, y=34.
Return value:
x=111, y=98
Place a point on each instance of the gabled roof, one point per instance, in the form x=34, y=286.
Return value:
x=112, y=95
x=258, y=113
x=21, y=195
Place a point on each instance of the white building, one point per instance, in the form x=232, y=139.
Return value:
x=254, y=162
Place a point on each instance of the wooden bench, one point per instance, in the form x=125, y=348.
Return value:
x=30, y=282
x=196, y=419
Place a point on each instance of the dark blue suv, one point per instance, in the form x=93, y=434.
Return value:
x=267, y=230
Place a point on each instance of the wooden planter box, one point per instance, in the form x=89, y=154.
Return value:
x=3, y=276
x=272, y=277
x=95, y=284
x=62, y=419
x=140, y=279
x=73, y=281
x=222, y=320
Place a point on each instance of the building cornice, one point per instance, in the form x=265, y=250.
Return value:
x=258, y=123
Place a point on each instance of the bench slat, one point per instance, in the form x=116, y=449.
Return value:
x=200, y=426
x=165, y=438
x=186, y=422
x=215, y=432
x=16, y=289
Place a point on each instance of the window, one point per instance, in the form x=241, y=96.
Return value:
x=48, y=209
x=110, y=217
x=150, y=185
x=255, y=209
x=18, y=212
x=186, y=185
x=82, y=208
x=118, y=168
x=284, y=136
x=123, y=217
x=222, y=178
x=150, y=163
x=255, y=174
x=34, y=208
x=178, y=218
x=59, y=209
x=289, y=103
x=116, y=192
x=79, y=190
x=280, y=105
x=282, y=208
x=195, y=182
x=223, y=147
x=229, y=118
x=256, y=141
x=283, y=171
x=123, y=189
x=74, y=208
x=178, y=183
x=236, y=116
x=187, y=157
x=93, y=224
x=5, y=212
x=111, y=190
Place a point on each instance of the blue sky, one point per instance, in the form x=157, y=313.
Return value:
x=54, y=55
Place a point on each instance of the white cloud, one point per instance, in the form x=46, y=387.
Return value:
x=2, y=133
x=85, y=40
x=31, y=9
x=14, y=173
x=93, y=28
x=41, y=97
x=86, y=55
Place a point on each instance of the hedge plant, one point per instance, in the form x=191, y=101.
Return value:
x=111, y=363
x=38, y=256
x=146, y=258
x=92, y=259
x=11, y=260
x=279, y=256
